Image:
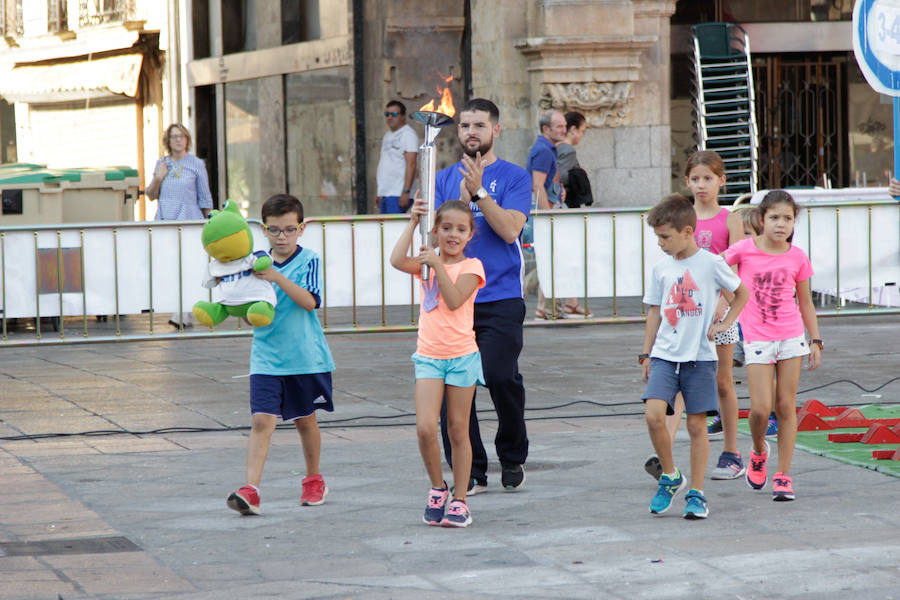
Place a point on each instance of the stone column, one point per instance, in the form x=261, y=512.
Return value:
x=272, y=167
x=500, y=73
x=608, y=59
x=409, y=46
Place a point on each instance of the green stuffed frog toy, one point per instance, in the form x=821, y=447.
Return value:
x=236, y=290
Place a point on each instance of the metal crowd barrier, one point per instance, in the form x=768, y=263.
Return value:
x=86, y=283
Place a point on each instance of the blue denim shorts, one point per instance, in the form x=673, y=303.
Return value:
x=695, y=380
x=464, y=371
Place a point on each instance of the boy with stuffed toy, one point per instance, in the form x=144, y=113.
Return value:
x=290, y=363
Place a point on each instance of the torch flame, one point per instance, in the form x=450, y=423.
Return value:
x=446, y=106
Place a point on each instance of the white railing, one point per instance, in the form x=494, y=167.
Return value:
x=54, y=280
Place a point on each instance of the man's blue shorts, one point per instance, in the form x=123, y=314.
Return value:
x=464, y=371
x=290, y=396
x=390, y=205
x=695, y=380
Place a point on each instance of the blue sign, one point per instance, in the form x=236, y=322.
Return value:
x=876, y=43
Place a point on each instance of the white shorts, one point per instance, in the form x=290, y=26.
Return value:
x=769, y=353
x=729, y=336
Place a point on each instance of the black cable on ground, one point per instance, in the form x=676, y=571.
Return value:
x=352, y=422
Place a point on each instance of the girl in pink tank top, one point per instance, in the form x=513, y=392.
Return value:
x=717, y=228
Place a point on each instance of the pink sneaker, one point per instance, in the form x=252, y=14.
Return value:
x=782, y=488
x=314, y=491
x=457, y=515
x=244, y=500
x=756, y=473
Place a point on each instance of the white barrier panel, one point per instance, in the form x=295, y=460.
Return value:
x=595, y=236
x=117, y=259
x=843, y=236
x=596, y=252
x=116, y=269
x=360, y=276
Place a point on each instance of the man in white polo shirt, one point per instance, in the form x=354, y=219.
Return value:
x=397, y=165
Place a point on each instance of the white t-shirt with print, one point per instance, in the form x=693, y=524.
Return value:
x=392, y=164
x=686, y=292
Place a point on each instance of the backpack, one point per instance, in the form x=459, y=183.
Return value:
x=578, y=190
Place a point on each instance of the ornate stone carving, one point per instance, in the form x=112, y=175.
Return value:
x=604, y=104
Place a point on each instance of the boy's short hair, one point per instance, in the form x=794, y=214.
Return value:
x=282, y=204
x=750, y=217
x=674, y=210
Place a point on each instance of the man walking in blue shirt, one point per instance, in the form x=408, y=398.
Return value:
x=499, y=194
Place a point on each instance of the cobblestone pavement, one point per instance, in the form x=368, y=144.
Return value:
x=142, y=515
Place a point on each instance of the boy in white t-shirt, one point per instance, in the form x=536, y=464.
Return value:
x=678, y=353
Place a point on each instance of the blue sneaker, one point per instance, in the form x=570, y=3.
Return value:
x=772, y=427
x=697, y=507
x=434, y=512
x=458, y=515
x=668, y=489
x=730, y=466
x=714, y=429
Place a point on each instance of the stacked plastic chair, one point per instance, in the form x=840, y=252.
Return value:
x=724, y=104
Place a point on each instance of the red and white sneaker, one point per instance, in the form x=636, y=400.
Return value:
x=782, y=487
x=314, y=491
x=756, y=473
x=244, y=500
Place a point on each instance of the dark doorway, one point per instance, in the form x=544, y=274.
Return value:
x=206, y=143
x=801, y=110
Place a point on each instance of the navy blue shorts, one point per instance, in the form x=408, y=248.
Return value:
x=290, y=396
x=695, y=380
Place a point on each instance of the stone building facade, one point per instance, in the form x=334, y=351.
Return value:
x=84, y=83
x=289, y=94
x=304, y=113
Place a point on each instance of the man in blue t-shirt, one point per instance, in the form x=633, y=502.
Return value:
x=542, y=160
x=499, y=194
x=542, y=166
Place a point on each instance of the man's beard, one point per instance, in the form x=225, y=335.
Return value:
x=484, y=148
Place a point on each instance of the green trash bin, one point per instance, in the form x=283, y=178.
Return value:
x=36, y=195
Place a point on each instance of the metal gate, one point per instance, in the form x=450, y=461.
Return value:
x=801, y=110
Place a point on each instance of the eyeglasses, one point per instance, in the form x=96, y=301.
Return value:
x=277, y=231
x=177, y=136
x=388, y=113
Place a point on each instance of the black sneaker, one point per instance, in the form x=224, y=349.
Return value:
x=512, y=477
x=714, y=428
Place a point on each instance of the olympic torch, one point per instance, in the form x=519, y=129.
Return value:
x=434, y=120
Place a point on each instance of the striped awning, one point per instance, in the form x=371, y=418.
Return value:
x=73, y=80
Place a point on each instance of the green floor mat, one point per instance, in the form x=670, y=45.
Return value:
x=854, y=453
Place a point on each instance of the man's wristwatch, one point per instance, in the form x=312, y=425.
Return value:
x=480, y=194
x=406, y=191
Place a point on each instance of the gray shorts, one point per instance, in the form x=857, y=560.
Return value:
x=695, y=380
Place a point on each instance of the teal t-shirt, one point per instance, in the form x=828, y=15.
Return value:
x=294, y=344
